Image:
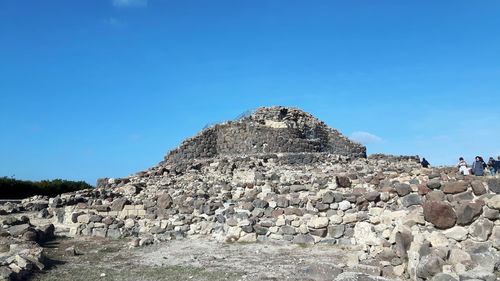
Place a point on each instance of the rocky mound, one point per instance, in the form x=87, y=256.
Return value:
x=402, y=221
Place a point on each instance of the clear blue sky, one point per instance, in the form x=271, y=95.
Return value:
x=105, y=88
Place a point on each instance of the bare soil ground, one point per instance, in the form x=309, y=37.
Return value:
x=189, y=259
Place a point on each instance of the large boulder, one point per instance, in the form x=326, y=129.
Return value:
x=455, y=187
x=494, y=185
x=494, y=202
x=468, y=212
x=440, y=214
x=481, y=230
x=478, y=188
x=402, y=189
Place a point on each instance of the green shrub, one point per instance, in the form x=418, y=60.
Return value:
x=19, y=189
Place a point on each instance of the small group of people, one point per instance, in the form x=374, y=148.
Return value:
x=479, y=167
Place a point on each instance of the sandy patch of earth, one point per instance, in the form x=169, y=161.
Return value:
x=189, y=259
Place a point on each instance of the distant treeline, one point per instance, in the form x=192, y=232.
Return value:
x=18, y=189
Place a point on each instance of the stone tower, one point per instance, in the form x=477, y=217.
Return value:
x=267, y=130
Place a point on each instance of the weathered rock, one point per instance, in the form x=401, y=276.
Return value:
x=478, y=188
x=18, y=230
x=298, y=188
x=494, y=202
x=495, y=237
x=491, y=213
x=468, y=212
x=443, y=277
x=4, y=248
x=434, y=184
x=288, y=230
x=282, y=202
x=321, y=232
x=344, y=182
x=337, y=231
x=478, y=275
x=494, y=185
x=481, y=230
x=260, y=230
x=458, y=233
x=435, y=195
x=403, y=189
x=303, y=239
x=458, y=256
x=164, y=201
x=118, y=204
x=429, y=266
x=344, y=205
x=403, y=242
x=440, y=214
x=319, y=222
x=6, y=273
x=372, y=196
x=365, y=234
x=84, y=218
x=411, y=200
x=455, y=187
x=258, y=203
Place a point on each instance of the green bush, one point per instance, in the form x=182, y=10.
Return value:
x=19, y=189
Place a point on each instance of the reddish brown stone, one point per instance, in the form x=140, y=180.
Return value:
x=478, y=188
x=387, y=189
x=440, y=214
x=423, y=190
x=277, y=212
x=343, y=182
x=435, y=195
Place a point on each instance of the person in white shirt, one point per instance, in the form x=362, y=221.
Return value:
x=462, y=167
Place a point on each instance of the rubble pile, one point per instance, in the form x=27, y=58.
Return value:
x=20, y=250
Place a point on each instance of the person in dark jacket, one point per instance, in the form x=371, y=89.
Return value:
x=478, y=166
x=492, y=165
x=425, y=163
x=497, y=165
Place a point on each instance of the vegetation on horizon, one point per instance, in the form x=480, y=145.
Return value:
x=11, y=188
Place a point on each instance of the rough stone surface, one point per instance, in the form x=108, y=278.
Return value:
x=440, y=214
x=481, y=230
x=455, y=187
x=267, y=130
x=494, y=185
x=468, y=212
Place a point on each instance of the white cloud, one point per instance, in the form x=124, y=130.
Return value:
x=130, y=3
x=365, y=137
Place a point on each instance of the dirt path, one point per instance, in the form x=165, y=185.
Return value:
x=100, y=259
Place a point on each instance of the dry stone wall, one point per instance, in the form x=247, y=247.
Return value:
x=403, y=221
x=267, y=130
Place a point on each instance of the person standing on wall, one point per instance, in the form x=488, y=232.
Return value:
x=492, y=165
x=478, y=166
x=497, y=165
x=462, y=167
x=425, y=163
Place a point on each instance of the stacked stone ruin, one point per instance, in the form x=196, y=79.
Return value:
x=281, y=175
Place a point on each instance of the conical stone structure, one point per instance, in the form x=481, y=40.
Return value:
x=267, y=130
